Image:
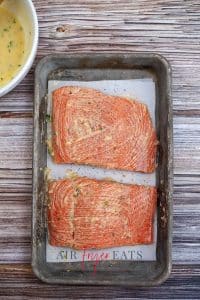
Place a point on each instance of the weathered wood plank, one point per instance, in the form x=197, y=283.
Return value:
x=16, y=189
x=186, y=145
x=16, y=144
x=19, y=282
x=15, y=233
x=171, y=29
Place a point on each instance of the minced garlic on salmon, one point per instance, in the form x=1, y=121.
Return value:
x=86, y=213
x=98, y=129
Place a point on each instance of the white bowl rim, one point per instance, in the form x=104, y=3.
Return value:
x=29, y=61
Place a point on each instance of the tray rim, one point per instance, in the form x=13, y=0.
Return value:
x=165, y=274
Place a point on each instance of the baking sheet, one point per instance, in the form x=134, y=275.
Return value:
x=144, y=91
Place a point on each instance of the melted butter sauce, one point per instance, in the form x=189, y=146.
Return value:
x=12, y=45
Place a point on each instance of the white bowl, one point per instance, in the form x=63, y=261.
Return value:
x=26, y=14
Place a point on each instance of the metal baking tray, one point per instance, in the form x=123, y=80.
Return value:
x=94, y=67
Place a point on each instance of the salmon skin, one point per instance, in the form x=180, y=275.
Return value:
x=86, y=213
x=90, y=127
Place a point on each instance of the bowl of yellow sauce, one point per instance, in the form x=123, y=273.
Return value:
x=18, y=42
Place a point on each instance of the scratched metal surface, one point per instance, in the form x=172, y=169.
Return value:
x=120, y=272
x=171, y=28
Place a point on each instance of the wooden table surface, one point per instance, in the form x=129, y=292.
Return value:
x=171, y=28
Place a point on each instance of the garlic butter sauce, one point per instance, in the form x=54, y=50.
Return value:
x=12, y=46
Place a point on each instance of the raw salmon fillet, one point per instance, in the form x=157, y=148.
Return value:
x=90, y=127
x=87, y=213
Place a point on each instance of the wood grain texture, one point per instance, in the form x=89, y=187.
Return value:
x=171, y=28
x=22, y=284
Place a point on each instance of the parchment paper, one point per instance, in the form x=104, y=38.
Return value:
x=142, y=90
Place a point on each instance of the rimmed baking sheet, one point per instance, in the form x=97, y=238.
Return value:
x=148, y=78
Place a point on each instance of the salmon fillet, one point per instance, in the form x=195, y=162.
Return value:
x=86, y=213
x=90, y=127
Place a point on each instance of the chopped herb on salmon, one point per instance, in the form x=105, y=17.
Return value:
x=113, y=214
x=106, y=131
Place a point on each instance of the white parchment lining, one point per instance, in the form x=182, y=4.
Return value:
x=142, y=90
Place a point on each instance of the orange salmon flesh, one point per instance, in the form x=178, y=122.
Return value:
x=89, y=127
x=87, y=213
